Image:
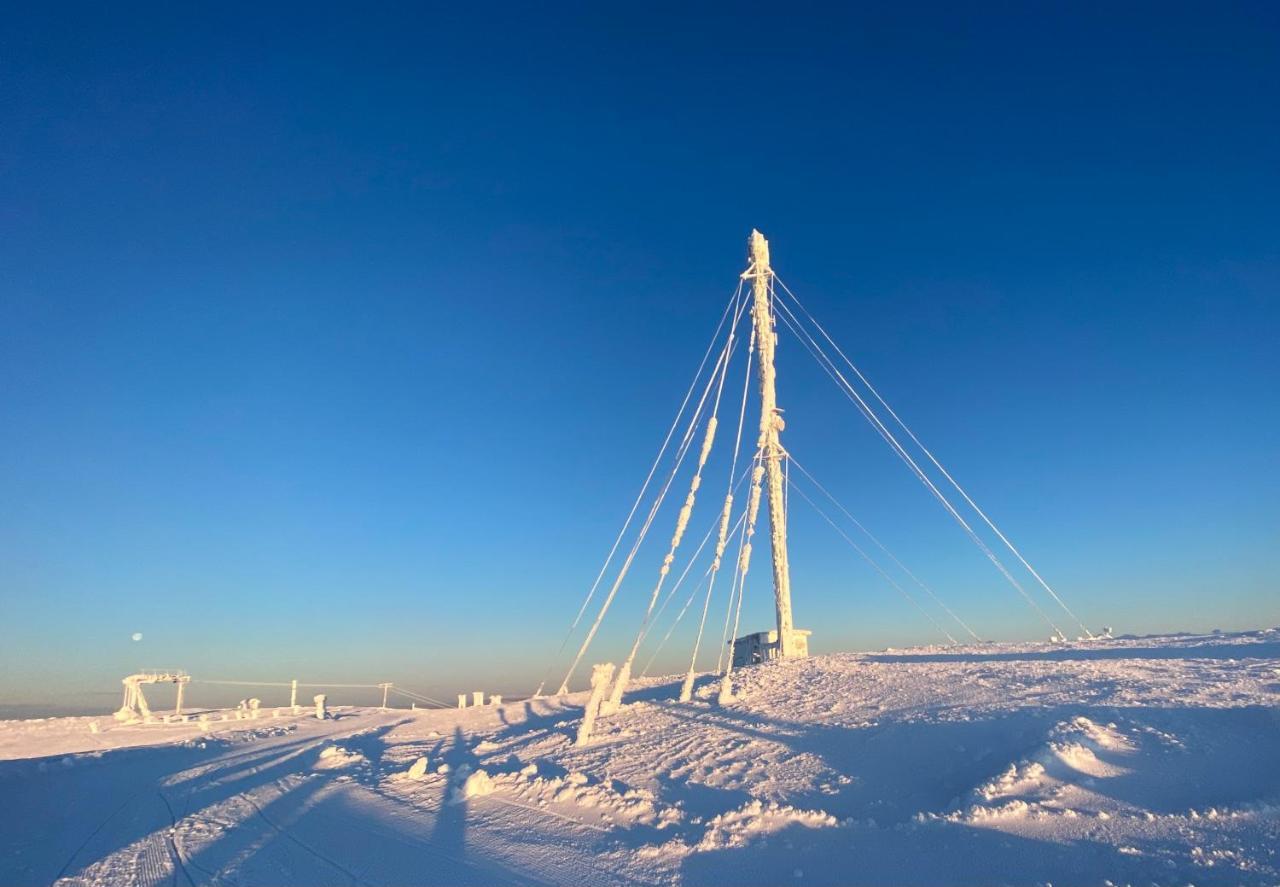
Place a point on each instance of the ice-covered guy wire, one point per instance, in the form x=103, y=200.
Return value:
x=671, y=593
x=875, y=566
x=791, y=460
x=742, y=534
x=653, y=511
x=730, y=309
x=732, y=588
x=706, y=579
x=682, y=522
x=744, y=562
x=686, y=688
x=903, y=425
x=815, y=350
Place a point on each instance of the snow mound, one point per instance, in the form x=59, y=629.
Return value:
x=335, y=757
x=476, y=785
x=755, y=819
x=1068, y=759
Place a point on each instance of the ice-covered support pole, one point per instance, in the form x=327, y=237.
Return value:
x=140, y=701
x=600, y=676
x=293, y=693
x=385, y=689
x=134, y=704
x=462, y=700
x=477, y=698
x=321, y=711
x=771, y=425
x=177, y=709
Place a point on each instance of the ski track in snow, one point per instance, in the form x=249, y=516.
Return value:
x=1127, y=761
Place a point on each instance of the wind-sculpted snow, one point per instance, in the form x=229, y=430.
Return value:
x=1129, y=761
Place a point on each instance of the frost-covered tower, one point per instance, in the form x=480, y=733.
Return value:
x=790, y=642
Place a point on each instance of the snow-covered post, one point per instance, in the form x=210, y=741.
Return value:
x=293, y=694
x=495, y=701
x=726, y=688
x=601, y=675
x=462, y=700
x=139, y=699
x=385, y=688
x=320, y=708
x=477, y=698
x=177, y=709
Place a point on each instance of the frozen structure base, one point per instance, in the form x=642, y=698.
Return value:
x=134, y=706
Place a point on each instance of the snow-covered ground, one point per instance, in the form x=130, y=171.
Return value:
x=1142, y=760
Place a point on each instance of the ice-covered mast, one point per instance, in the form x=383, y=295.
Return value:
x=771, y=425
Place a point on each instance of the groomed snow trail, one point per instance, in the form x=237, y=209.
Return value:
x=1129, y=761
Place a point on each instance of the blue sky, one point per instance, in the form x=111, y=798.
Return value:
x=335, y=344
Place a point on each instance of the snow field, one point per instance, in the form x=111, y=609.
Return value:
x=1129, y=761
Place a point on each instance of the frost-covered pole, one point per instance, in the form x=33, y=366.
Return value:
x=293, y=694
x=385, y=688
x=600, y=676
x=771, y=425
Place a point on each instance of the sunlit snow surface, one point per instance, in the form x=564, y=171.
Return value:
x=1145, y=760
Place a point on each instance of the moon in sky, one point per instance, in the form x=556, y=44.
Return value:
x=137, y=635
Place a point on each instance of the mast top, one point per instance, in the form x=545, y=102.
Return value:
x=759, y=250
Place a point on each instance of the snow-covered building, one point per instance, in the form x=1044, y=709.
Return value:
x=763, y=646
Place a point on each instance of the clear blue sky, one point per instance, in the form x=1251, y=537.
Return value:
x=335, y=344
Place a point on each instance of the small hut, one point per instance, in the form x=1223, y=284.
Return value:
x=763, y=646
